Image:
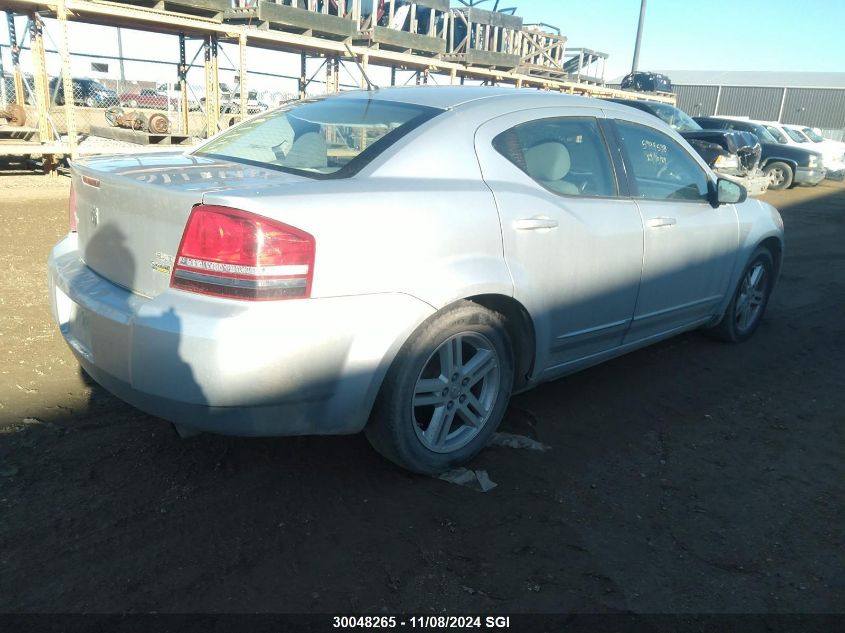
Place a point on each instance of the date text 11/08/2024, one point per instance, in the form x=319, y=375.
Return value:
x=436, y=622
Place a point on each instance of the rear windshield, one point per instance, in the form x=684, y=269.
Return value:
x=323, y=138
x=677, y=119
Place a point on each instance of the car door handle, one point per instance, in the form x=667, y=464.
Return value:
x=654, y=223
x=533, y=224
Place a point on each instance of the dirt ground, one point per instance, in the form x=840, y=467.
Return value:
x=690, y=477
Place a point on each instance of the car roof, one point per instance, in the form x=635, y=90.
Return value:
x=450, y=97
x=642, y=104
x=734, y=119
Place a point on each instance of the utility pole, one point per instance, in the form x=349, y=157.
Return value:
x=639, y=37
x=120, y=56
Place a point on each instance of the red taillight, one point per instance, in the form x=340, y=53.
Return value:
x=231, y=253
x=71, y=210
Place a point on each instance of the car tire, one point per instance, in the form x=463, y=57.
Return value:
x=421, y=418
x=779, y=174
x=749, y=300
x=89, y=102
x=133, y=103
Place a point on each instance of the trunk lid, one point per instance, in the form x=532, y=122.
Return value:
x=132, y=210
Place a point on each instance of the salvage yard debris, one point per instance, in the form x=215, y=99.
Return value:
x=510, y=440
x=473, y=479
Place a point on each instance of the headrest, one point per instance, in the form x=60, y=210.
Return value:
x=547, y=161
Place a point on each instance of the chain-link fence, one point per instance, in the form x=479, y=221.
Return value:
x=23, y=90
x=137, y=81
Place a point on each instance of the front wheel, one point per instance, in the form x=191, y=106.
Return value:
x=745, y=311
x=779, y=175
x=446, y=392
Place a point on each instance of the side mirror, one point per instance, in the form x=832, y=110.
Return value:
x=727, y=192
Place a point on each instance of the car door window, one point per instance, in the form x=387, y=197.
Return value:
x=566, y=155
x=661, y=168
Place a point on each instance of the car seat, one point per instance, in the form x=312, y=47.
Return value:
x=549, y=163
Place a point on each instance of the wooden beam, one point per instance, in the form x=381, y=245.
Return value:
x=244, y=94
x=67, y=79
x=20, y=95
x=365, y=62
x=280, y=16
x=407, y=41
x=212, y=86
x=39, y=75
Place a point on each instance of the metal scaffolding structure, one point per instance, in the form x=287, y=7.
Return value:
x=426, y=37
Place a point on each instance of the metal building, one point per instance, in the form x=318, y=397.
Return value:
x=813, y=99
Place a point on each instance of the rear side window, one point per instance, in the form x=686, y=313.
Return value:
x=662, y=169
x=324, y=138
x=795, y=135
x=566, y=155
x=777, y=134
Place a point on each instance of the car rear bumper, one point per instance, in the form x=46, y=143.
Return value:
x=233, y=367
x=806, y=176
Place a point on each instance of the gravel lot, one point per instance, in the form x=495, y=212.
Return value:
x=689, y=477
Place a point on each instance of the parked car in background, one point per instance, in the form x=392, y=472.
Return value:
x=86, y=92
x=733, y=155
x=148, y=98
x=174, y=90
x=253, y=106
x=646, y=82
x=230, y=102
x=784, y=134
x=286, y=278
x=788, y=135
x=833, y=151
x=785, y=165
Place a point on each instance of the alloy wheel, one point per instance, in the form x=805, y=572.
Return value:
x=456, y=392
x=776, y=176
x=752, y=295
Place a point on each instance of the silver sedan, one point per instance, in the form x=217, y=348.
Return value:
x=400, y=262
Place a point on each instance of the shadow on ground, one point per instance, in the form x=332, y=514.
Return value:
x=688, y=477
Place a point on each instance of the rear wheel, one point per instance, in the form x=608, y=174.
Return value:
x=446, y=392
x=779, y=174
x=745, y=311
